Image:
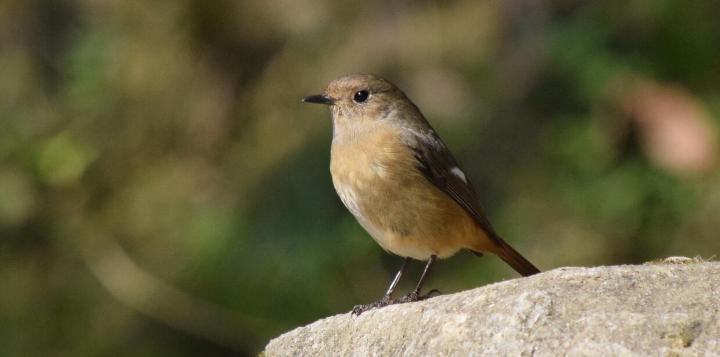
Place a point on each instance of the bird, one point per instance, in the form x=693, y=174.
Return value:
x=395, y=174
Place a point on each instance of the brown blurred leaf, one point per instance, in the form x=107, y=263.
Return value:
x=674, y=128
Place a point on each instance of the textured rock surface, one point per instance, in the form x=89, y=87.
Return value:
x=659, y=309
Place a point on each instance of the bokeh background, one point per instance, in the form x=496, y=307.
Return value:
x=164, y=192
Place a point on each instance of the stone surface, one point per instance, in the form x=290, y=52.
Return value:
x=667, y=308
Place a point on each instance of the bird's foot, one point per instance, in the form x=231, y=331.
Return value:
x=415, y=296
x=385, y=301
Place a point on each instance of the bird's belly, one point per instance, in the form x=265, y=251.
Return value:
x=404, y=212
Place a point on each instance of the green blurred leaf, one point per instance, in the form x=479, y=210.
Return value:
x=62, y=160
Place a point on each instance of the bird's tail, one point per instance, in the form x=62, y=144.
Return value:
x=515, y=260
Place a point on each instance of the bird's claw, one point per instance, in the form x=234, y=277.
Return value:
x=415, y=296
x=387, y=300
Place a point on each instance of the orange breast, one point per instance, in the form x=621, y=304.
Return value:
x=377, y=178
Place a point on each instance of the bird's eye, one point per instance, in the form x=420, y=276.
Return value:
x=361, y=96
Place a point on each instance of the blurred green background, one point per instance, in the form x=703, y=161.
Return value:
x=164, y=192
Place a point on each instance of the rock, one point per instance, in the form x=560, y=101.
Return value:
x=664, y=308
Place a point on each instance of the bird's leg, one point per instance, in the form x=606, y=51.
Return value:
x=387, y=299
x=396, y=280
x=415, y=294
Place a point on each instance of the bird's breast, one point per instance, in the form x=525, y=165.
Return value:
x=377, y=178
x=369, y=169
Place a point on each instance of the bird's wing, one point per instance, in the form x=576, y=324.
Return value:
x=439, y=166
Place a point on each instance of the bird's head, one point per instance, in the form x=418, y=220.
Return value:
x=362, y=98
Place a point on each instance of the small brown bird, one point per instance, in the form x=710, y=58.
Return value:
x=400, y=181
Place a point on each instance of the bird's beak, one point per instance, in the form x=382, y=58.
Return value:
x=318, y=99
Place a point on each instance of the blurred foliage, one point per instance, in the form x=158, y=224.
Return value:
x=164, y=192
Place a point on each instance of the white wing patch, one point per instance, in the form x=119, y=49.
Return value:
x=457, y=172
